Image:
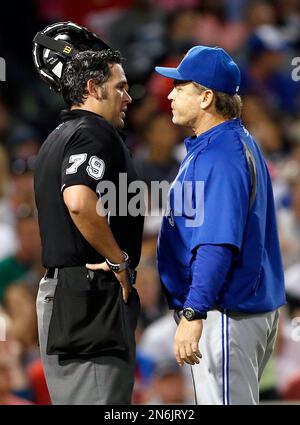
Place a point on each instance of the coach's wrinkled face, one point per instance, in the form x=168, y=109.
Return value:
x=115, y=97
x=187, y=103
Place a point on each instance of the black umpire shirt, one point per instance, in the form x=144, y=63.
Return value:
x=83, y=150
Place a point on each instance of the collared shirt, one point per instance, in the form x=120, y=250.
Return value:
x=209, y=204
x=84, y=149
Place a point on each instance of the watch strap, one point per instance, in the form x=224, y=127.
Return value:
x=119, y=267
x=190, y=314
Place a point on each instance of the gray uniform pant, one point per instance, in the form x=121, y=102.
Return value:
x=235, y=349
x=100, y=380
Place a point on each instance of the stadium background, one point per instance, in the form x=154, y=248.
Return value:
x=264, y=38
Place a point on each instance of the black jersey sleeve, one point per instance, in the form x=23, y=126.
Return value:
x=88, y=158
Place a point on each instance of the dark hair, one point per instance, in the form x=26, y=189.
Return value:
x=83, y=67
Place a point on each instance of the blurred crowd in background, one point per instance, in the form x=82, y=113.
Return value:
x=263, y=37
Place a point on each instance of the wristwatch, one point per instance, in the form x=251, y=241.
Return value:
x=114, y=267
x=190, y=314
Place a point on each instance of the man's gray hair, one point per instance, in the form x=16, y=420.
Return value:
x=229, y=106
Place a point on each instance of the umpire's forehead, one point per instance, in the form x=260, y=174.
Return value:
x=117, y=74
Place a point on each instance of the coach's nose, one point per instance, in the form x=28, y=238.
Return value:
x=171, y=95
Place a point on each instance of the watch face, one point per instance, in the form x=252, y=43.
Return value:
x=188, y=313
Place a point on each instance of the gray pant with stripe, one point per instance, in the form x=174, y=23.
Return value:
x=100, y=380
x=235, y=349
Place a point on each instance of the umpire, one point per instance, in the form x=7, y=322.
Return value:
x=219, y=257
x=86, y=318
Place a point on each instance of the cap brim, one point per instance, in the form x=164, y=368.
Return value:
x=168, y=72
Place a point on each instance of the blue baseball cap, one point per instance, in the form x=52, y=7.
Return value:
x=211, y=67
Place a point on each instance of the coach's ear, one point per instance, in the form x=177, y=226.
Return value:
x=207, y=98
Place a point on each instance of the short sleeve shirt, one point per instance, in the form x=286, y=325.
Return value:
x=83, y=150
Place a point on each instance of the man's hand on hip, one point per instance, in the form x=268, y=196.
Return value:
x=186, y=342
x=121, y=276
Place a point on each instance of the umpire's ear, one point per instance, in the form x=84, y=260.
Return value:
x=207, y=98
x=93, y=89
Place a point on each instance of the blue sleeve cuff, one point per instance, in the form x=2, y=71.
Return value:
x=188, y=304
x=209, y=271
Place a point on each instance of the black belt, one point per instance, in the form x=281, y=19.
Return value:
x=52, y=273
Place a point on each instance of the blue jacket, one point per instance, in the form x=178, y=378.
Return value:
x=209, y=204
